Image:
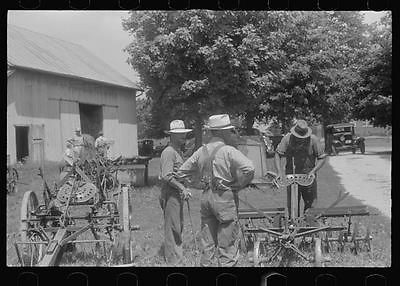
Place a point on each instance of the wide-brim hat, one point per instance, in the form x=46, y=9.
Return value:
x=177, y=127
x=219, y=122
x=301, y=129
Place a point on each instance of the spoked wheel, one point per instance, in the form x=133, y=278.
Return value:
x=31, y=254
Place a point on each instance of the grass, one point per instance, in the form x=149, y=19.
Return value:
x=147, y=213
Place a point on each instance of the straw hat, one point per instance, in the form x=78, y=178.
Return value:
x=301, y=129
x=177, y=126
x=219, y=122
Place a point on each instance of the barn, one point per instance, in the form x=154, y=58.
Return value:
x=54, y=87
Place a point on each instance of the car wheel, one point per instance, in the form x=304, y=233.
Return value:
x=362, y=147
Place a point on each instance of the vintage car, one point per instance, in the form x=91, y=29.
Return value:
x=342, y=137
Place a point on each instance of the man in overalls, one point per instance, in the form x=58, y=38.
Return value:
x=224, y=171
x=308, y=155
x=173, y=193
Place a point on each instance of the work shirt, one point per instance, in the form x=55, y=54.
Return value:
x=231, y=168
x=170, y=162
x=305, y=151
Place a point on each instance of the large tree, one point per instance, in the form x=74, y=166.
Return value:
x=322, y=52
x=257, y=65
x=373, y=98
x=200, y=62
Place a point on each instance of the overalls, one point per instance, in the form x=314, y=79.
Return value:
x=304, y=160
x=219, y=235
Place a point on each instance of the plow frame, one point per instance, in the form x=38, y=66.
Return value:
x=288, y=230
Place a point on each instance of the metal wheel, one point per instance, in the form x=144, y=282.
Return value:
x=31, y=254
x=317, y=252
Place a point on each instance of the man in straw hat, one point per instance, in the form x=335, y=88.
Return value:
x=173, y=193
x=308, y=155
x=224, y=170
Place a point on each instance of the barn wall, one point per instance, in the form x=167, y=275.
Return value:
x=35, y=98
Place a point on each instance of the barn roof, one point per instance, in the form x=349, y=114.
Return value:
x=32, y=50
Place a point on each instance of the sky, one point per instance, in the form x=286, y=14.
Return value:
x=100, y=32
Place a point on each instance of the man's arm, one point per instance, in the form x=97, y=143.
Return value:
x=189, y=167
x=245, y=167
x=279, y=152
x=167, y=170
x=320, y=154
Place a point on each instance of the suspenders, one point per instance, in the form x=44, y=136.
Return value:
x=208, y=176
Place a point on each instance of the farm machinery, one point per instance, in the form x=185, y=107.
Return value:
x=280, y=236
x=89, y=206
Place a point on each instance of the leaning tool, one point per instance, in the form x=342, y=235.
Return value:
x=191, y=224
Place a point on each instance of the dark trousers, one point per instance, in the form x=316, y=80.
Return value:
x=308, y=193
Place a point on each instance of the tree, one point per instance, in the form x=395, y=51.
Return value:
x=373, y=98
x=322, y=52
x=255, y=65
x=200, y=62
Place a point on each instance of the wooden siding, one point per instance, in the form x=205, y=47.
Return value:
x=35, y=98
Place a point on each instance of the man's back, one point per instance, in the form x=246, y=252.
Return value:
x=227, y=162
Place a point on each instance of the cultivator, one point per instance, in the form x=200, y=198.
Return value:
x=279, y=236
x=88, y=198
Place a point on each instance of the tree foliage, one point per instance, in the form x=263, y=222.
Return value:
x=257, y=65
x=373, y=98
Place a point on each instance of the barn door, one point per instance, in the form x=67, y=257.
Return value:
x=69, y=120
x=110, y=126
x=37, y=142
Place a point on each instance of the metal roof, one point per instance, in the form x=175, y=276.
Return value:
x=32, y=50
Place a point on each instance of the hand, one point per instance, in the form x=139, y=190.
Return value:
x=311, y=174
x=186, y=195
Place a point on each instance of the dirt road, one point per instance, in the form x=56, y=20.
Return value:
x=367, y=177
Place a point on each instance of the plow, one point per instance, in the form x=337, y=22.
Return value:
x=90, y=205
x=282, y=236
